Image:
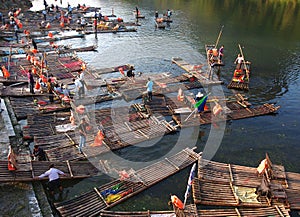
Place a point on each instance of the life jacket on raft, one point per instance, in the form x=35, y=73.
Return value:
x=177, y=202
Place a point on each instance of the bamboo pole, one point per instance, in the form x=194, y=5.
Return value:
x=279, y=211
x=219, y=36
x=69, y=167
x=237, y=212
x=247, y=72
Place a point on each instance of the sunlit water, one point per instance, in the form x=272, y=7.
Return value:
x=269, y=34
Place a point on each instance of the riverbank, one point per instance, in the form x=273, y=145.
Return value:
x=16, y=198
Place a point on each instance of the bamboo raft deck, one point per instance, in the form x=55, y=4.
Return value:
x=19, y=91
x=213, y=56
x=60, y=139
x=91, y=203
x=215, y=179
x=159, y=25
x=163, y=83
x=58, y=38
x=78, y=49
x=265, y=211
x=28, y=170
x=207, y=117
x=63, y=67
x=26, y=106
x=194, y=71
x=191, y=211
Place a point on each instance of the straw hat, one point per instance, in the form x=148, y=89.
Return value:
x=199, y=95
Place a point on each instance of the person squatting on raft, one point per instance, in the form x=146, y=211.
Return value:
x=38, y=153
x=54, y=180
x=130, y=74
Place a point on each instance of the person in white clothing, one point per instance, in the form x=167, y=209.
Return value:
x=239, y=60
x=54, y=180
x=81, y=79
x=79, y=87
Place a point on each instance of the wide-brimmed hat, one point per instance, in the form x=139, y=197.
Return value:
x=199, y=95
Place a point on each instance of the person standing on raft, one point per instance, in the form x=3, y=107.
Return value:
x=54, y=180
x=30, y=81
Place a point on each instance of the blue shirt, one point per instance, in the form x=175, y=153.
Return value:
x=149, y=86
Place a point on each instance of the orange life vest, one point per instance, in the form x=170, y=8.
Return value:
x=177, y=202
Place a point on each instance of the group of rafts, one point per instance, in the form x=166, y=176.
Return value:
x=241, y=74
x=114, y=191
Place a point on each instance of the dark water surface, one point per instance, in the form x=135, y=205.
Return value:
x=269, y=32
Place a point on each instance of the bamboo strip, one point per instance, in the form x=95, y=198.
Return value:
x=128, y=126
x=69, y=167
x=234, y=194
x=279, y=211
x=72, y=141
x=176, y=167
x=146, y=136
x=230, y=172
x=237, y=212
x=99, y=194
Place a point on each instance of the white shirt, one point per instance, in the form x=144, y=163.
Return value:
x=81, y=76
x=78, y=84
x=52, y=173
x=240, y=59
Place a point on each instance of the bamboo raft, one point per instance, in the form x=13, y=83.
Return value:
x=133, y=128
x=195, y=72
x=58, y=38
x=189, y=212
x=215, y=179
x=91, y=203
x=240, y=79
x=46, y=125
x=26, y=106
x=163, y=83
x=28, y=170
x=207, y=117
x=213, y=56
x=265, y=211
x=7, y=52
x=78, y=49
x=19, y=91
x=159, y=25
x=63, y=68
x=112, y=69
